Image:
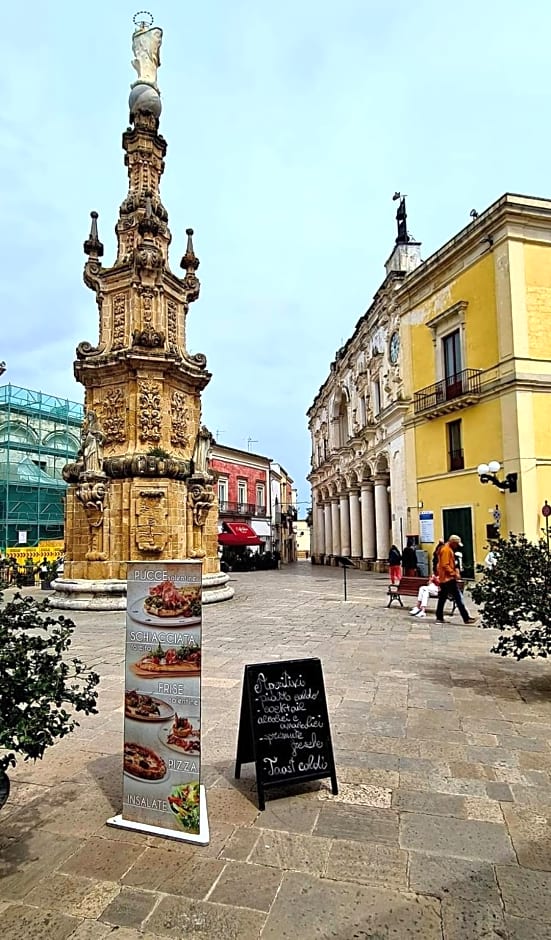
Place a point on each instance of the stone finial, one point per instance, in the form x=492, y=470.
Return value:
x=92, y=246
x=190, y=261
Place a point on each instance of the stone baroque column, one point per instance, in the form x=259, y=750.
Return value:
x=368, y=521
x=355, y=523
x=328, y=528
x=382, y=518
x=345, y=524
x=335, y=526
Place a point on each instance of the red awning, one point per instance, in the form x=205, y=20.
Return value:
x=239, y=533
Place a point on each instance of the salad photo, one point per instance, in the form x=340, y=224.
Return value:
x=184, y=803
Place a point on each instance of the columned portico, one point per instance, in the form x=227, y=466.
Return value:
x=328, y=529
x=382, y=518
x=368, y=521
x=355, y=523
x=335, y=526
x=345, y=524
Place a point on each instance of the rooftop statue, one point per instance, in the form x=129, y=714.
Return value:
x=146, y=46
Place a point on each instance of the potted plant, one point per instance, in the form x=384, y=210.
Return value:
x=41, y=688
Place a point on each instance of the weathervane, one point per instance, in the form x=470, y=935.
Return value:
x=143, y=23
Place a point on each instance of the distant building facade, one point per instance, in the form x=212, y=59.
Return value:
x=449, y=368
x=39, y=434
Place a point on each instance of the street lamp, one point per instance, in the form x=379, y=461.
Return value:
x=487, y=473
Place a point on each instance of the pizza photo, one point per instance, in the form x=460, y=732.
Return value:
x=184, y=660
x=143, y=763
x=166, y=600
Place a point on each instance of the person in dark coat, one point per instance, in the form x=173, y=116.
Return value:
x=409, y=561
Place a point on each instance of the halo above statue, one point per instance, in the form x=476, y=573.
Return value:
x=143, y=22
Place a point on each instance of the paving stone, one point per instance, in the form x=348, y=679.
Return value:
x=358, y=823
x=495, y=756
x=359, y=794
x=457, y=877
x=196, y=880
x=483, y=809
x=459, y=838
x=129, y=908
x=290, y=816
x=377, y=778
x=500, y=792
x=531, y=836
x=481, y=739
x=20, y=921
x=240, y=844
x=519, y=929
x=525, y=893
x=229, y=804
x=462, y=919
x=535, y=798
x=463, y=770
x=243, y=884
x=92, y=930
x=424, y=801
x=103, y=859
x=203, y=920
x=152, y=868
x=291, y=850
x=517, y=742
x=71, y=894
x=370, y=760
x=22, y=861
x=367, y=863
x=318, y=909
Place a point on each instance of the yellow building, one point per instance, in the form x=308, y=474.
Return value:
x=449, y=369
x=475, y=325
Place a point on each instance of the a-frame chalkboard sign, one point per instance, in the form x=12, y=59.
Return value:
x=284, y=725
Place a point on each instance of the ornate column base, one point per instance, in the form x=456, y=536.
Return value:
x=110, y=594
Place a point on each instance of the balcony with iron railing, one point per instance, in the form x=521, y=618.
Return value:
x=454, y=392
x=233, y=508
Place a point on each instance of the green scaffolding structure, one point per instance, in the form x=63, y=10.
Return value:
x=39, y=434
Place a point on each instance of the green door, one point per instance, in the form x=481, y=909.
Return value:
x=459, y=522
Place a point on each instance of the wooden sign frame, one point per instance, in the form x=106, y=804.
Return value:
x=250, y=747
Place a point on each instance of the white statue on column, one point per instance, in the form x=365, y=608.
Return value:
x=146, y=46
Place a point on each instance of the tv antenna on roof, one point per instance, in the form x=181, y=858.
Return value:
x=251, y=440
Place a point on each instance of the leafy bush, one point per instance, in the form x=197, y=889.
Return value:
x=40, y=690
x=515, y=597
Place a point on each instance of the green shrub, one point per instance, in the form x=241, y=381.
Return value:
x=515, y=598
x=41, y=689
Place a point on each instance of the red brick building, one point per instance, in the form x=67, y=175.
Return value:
x=243, y=497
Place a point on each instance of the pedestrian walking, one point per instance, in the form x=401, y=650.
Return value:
x=448, y=575
x=394, y=564
x=435, y=555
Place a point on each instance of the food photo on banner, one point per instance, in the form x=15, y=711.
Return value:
x=162, y=701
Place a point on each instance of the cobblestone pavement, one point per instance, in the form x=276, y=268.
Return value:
x=440, y=831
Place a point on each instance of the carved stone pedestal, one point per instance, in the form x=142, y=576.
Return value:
x=110, y=594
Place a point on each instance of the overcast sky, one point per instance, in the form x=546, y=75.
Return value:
x=289, y=127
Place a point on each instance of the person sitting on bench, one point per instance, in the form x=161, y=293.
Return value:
x=425, y=591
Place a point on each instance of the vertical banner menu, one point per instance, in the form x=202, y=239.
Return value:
x=162, y=701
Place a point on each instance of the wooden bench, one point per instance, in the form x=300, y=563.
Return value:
x=409, y=587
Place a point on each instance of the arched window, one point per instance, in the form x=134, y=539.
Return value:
x=342, y=420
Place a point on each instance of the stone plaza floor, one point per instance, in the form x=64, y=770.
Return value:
x=441, y=829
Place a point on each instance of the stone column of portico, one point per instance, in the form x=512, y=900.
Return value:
x=382, y=518
x=319, y=530
x=335, y=526
x=328, y=530
x=368, y=521
x=355, y=523
x=345, y=524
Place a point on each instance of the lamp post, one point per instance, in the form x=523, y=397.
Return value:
x=487, y=474
x=546, y=512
